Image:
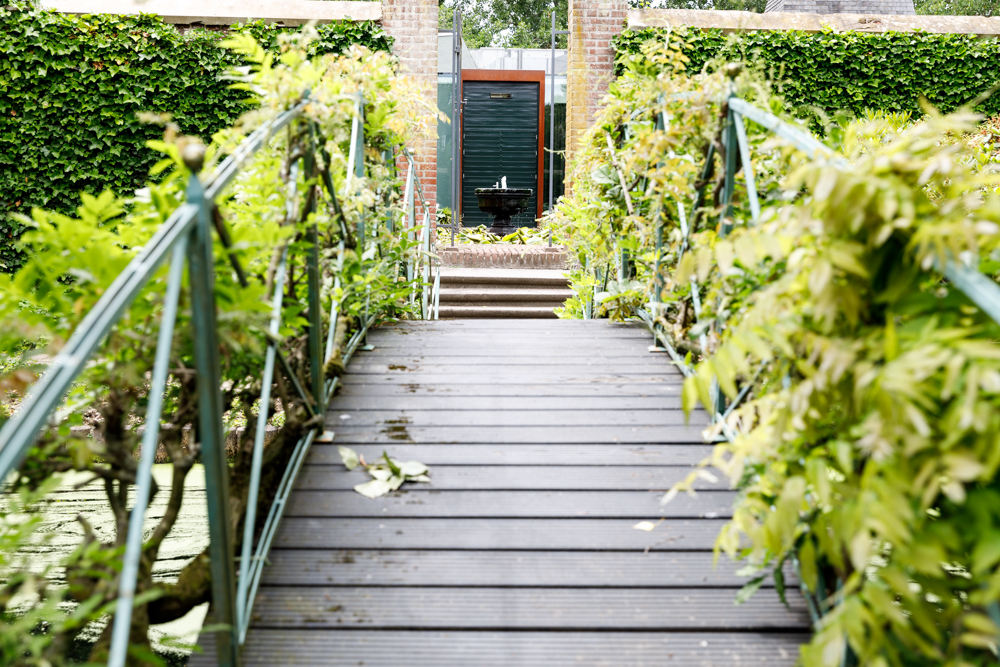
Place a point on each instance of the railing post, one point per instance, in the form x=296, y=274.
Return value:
x=410, y=207
x=313, y=279
x=729, y=185
x=210, y=434
x=456, y=124
x=658, y=280
x=359, y=162
x=143, y=479
x=425, y=273
x=356, y=160
x=748, y=175
x=389, y=158
x=243, y=602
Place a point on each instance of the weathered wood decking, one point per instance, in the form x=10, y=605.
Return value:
x=547, y=441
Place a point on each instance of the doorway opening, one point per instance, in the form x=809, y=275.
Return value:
x=502, y=138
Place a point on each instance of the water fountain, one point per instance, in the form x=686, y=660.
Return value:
x=503, y=203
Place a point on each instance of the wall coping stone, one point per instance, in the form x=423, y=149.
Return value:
x=227, y=12
x=730, y=21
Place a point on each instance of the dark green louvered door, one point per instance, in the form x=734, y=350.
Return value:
x=500, y=138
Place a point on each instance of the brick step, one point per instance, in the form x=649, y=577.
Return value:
x=489, y=278
x=497, y=312
x=500, y=293
x=496, y=295
x=503, y=304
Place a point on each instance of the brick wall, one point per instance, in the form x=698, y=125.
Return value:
x=592, y=24
x=414, y=25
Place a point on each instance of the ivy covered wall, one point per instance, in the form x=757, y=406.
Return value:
x=71, y=88
x=851, y=71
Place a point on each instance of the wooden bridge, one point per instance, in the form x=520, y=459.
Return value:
x=547, y=442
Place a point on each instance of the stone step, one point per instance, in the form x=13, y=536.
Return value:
x=495, y=295
x=497, y=312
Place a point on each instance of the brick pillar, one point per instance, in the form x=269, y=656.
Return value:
x=592, y=24
x=414, y=25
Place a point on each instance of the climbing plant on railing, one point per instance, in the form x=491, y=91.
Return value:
x=630, y=210
x=307, y=250
x=868, y=456
x=846, y=307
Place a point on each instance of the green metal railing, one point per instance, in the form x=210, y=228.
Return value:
x=980, y=289
x=186, y=237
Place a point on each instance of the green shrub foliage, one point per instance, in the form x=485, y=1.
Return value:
x=836, y=72
x=71, y=88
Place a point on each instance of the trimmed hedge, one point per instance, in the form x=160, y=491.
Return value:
x=852, y=71
x=70, y=89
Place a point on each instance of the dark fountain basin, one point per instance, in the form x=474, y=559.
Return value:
x=502, y=204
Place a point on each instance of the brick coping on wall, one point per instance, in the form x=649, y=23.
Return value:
x=729, y=21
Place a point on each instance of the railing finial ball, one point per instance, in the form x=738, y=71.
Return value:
x=192, y=153
x=733, y=70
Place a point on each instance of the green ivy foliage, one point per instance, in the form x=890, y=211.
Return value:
x=332, y=37
x=71, y=88
x=838, y=72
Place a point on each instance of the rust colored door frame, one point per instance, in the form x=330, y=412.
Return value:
x=520, y=76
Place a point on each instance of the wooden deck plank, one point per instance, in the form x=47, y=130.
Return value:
x=566, y=478
x=507, y=376
x=461, y=377
x=464, y=403
x=594, y=326
x=500, y=365
x=528, y=340
x=553, y=650
x=429, y=330
x=603, y=353
x=445, y=435
x=473, y=453
x=490, y=418
x=577, y=534
x=610, y=352
x=522, y=372
x=267, y=648
x=430, y=386
x=527, y=335
x=635, y=505
x=483, y=608
x=539, y=569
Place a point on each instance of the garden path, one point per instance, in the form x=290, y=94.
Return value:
x=547, y=442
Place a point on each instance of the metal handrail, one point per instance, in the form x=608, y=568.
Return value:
x=981, y=290
x=187, y=238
